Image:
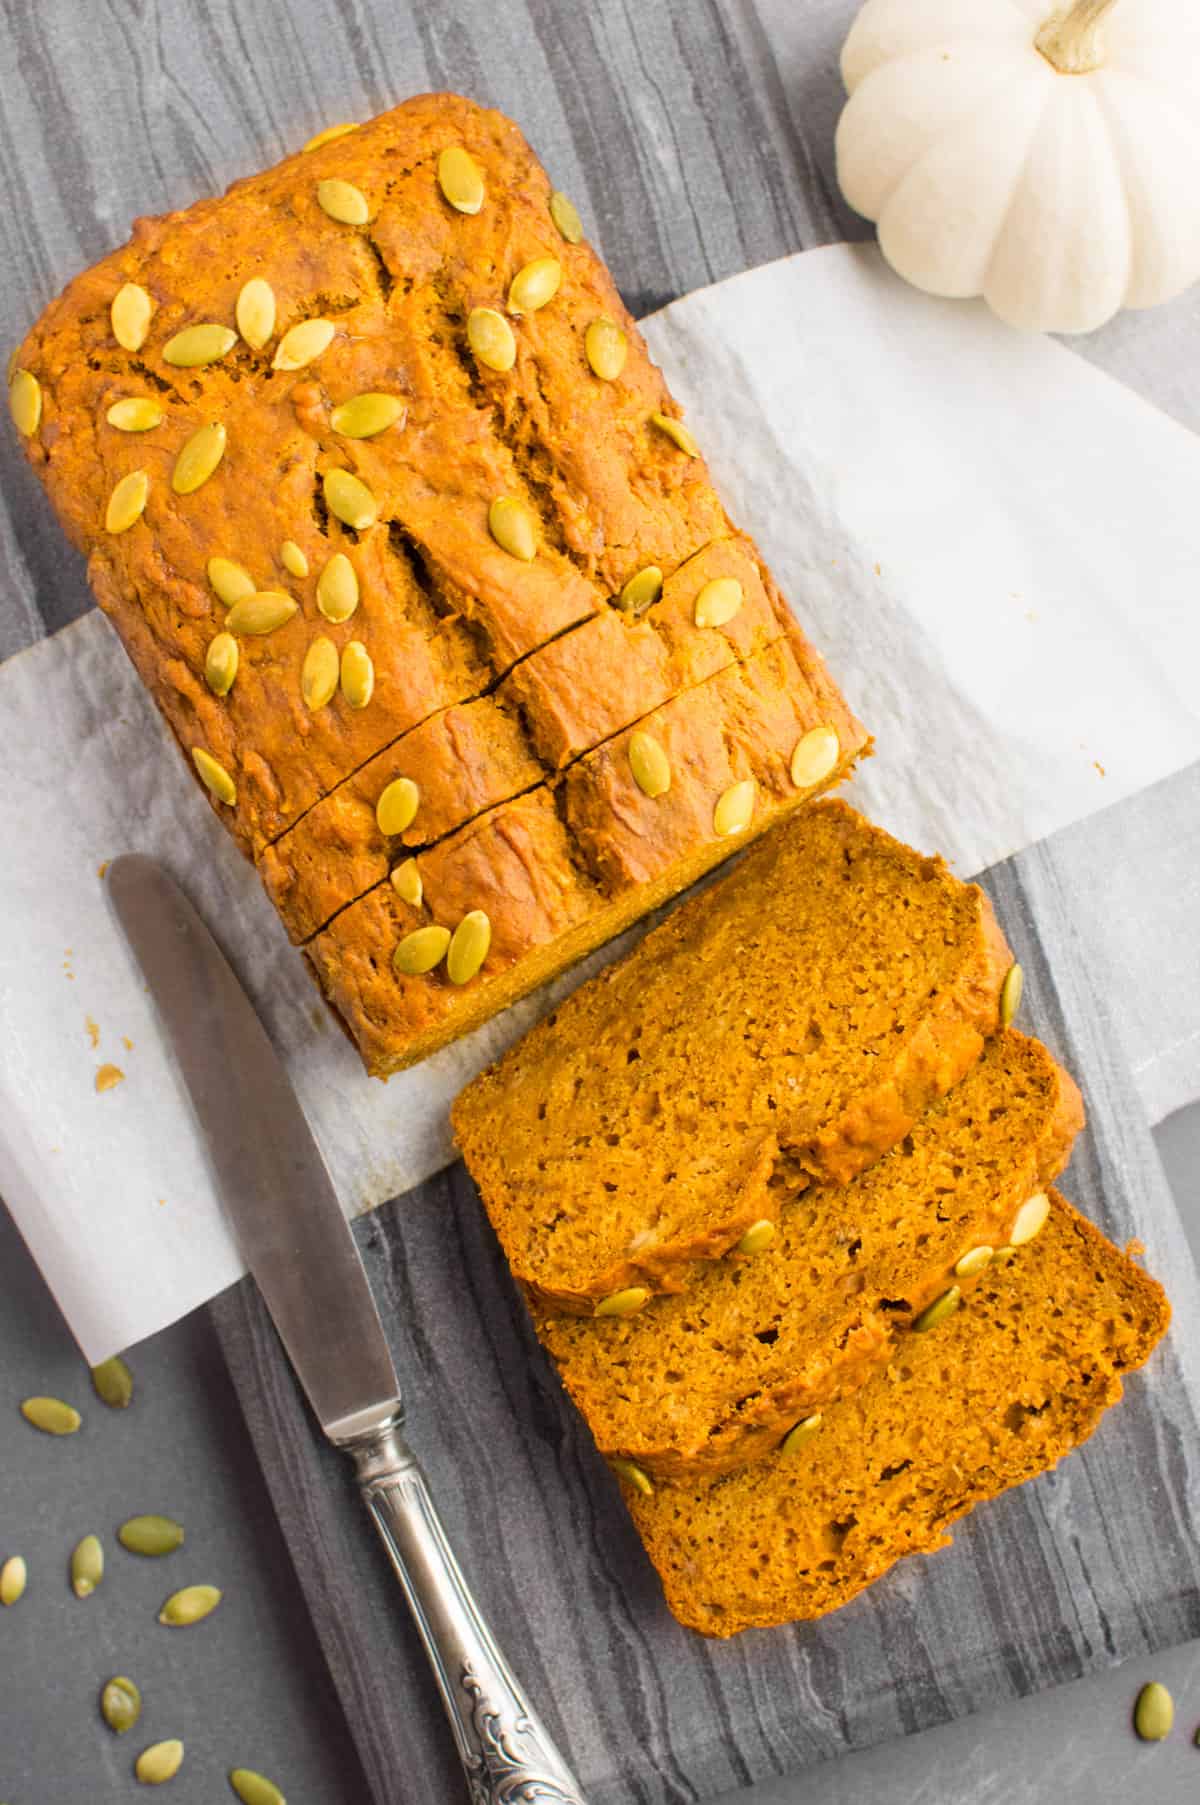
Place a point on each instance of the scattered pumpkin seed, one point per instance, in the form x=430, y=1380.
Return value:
x=221, y=662
x=349, y=500
x=760, y=1234
x=151, y=1535
x=127, y=502
x=677, y=432
x=302, y=344
x=232, y=582
x=814, y=757
x=191, y=1605
x=130, y=316
x=606, y=347
x=511, y=525
x=358, y=674
x=1154, y=1712
x=421, y=950
x=263, y=612
x=468, y=947
x=337, y=588
x=87, y=1566
x=161, y=1761
x=365, y=415
x=633, y=1475
x=803, y=1431
x=735, y=808
x=978, y=1259
x=343, y=201
x=14, y=1576
x=397, y=806
x=255, y=1789
x=135, y=413
x=214, y=776
x=937, y=1311
x=196, y=345
x=623, y=1303
x=293, y=559
x=198, y=458
x=51, y=1416
x=641, y=591
x=112, y=1383
x=1030, y=1219
x=460, y=179
x=120, y=1704
x=320, y=673
x=491, y=338
x=1010, y=994
x=255, y=312
x=25, y=402
x=649, y=763
x=718, y=602
x=565, y=217
x=534, y=285
x=406, y=882
x=329, y=134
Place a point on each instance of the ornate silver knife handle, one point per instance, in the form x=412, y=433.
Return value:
x=507, y=1754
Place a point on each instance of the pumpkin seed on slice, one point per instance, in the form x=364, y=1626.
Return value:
x=302, y=344
x=718, y=602
x=255, y=312
x=677, y=432
x=87, y=1566
x=511, y=525
x=214, y=776
x=14, y=1576
x=802, y=1431
x=337, y=588
x=232, y=582
x=51, y=1416
x=130, y=316
x=468, y=947
x=191, y=1605
x=649, y=763
x=641, y=591
x=358, y=674
x=406, y=882
x=978, y=1259
x=633, y=1475
x=151, y=1536
x=1154, y=1712
x=120, y=1704
x=460, y=179
x=263, y=612
x=365, y=415
x=565, y=217
x=421, y=950
x=1005, y=1254
x=534, y=285
x=1030, y=1219
x=491, y=338
x=198, y=458
x=320, y=673
x=329, y=134
x=349, y=500
x=1010, y=994
x=814, y=756
x=221, y=662
x=293, y=559
x=397, y=807
x=25, y=402
x=760, y=1234
x=112, y=1383
x=127, y=502
x=135, y=413
x=255, y=1789
x=160, y=1762
x=937, y=1311
x=606, y=347
x=343, y=201
x=197, y=345
x=735, y=808
x=623, y=1303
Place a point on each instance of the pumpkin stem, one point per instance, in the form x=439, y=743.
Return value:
x=1070, y=41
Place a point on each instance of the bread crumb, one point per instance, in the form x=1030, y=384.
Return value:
x=101, y=869
x=108, y=1077
x=1099, y=767
x=127, y=1043
x=93, y=1030
x=1135, y=1249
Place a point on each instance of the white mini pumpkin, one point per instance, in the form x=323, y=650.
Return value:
x=1048, y=163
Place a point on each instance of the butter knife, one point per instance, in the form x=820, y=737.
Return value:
x=280, y=1201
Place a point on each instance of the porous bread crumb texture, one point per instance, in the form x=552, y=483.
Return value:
x=519, y=666
x=819, y=997
x=995, y=1395
x=712, y=1379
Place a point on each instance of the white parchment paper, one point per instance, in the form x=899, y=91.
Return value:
x=993, y=543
